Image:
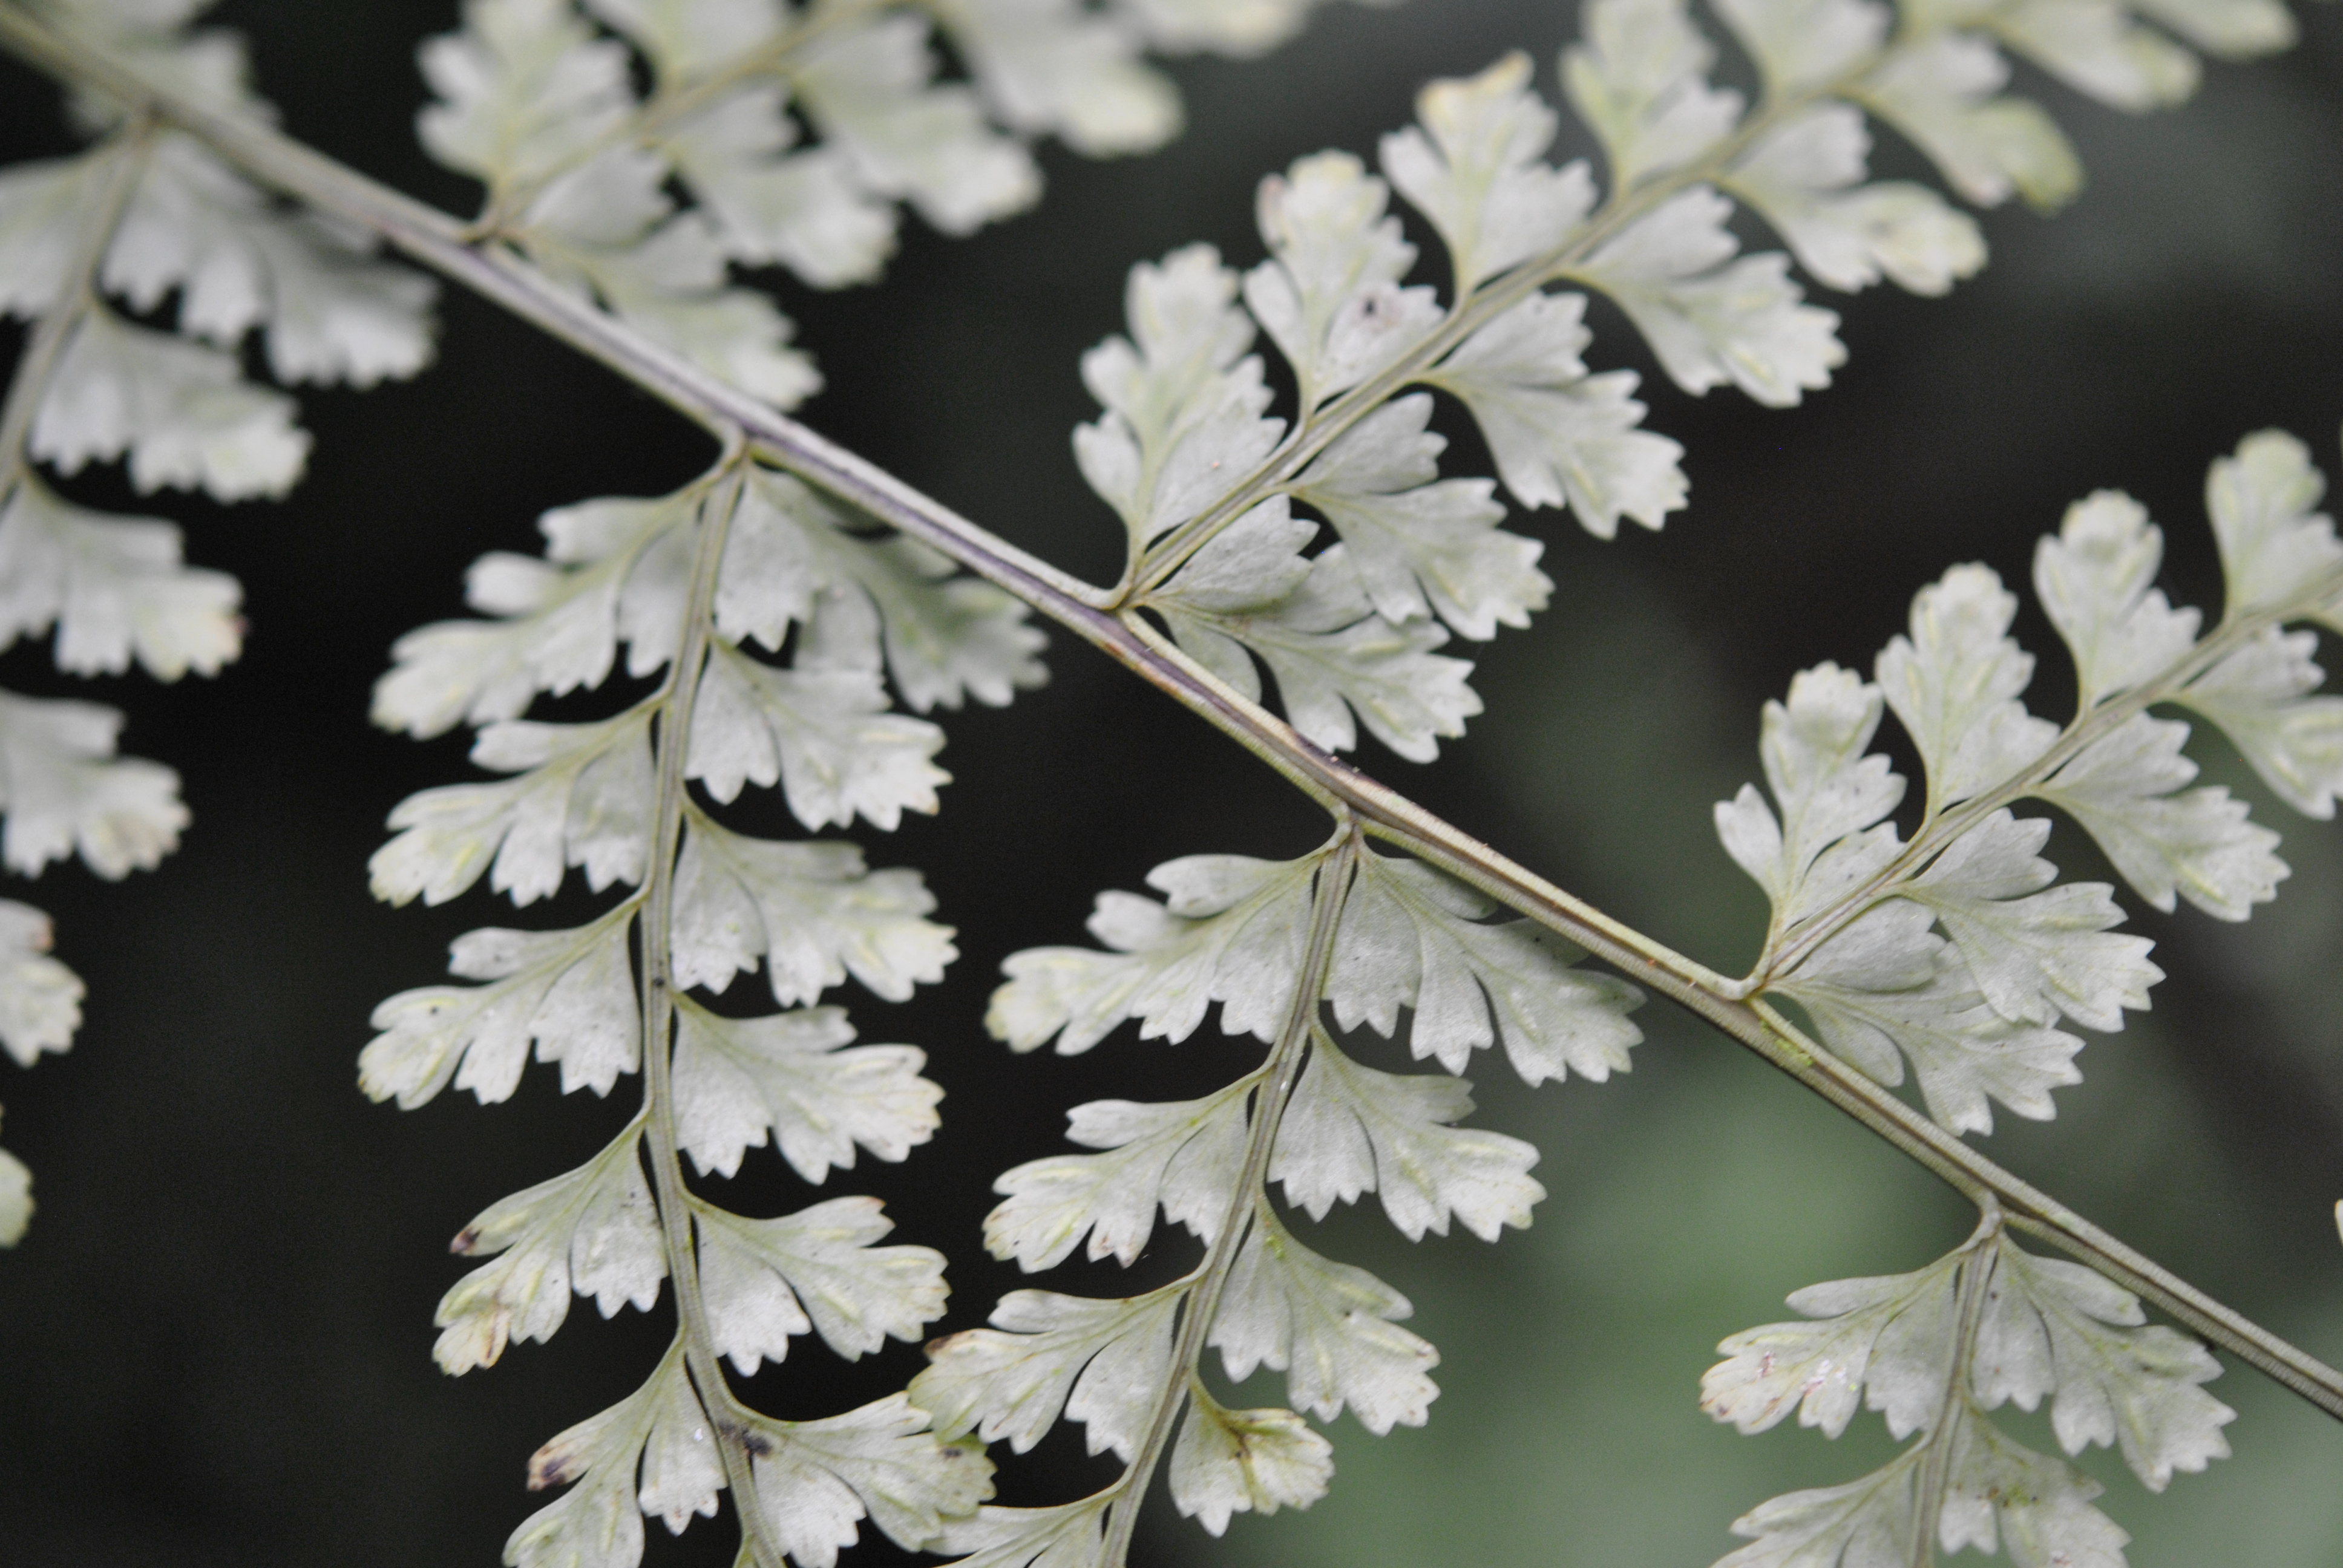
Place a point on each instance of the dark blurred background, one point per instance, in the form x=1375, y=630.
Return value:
x=213, y=1343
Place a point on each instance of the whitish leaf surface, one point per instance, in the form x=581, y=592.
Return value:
x=811, y=912
x=1829, y=792
x=2273, y=545
x=660, y=1433
x=1886, y=984
x=1331, y=1328
x=1422, y=545
x=1337, y=663
x=2038, y=1507
x=2034, y=950
x=2258, y=697
x=114, y=587
x=328, y=312
x=685, y=36
x=2099, y=49
x=868, y=88
x=1475, y=164
x=741, y=1081
x=16, y=1199
x=41, y=215
x=180, y=411
x=1052, y=65
x=868, y=604
x=2052, y=1328
x=1183, y=400
x=40, y=999
x=1801, y=45
x=1805, y=176
x=1240, y=28
x=1183, y=1156
x=1413, y=938
x=2127, y=789
x=526, y=87
x=1102, y=1363
x=614, y=570
x=1330, y=296
x=2095, y=580
x=1348, y=1130
x=64, y=791
x=824, y=736
x=1068, y=1536
x=1229, y=1461
x=570, y=993
x=1954, y=685
x=1865, y=1523
x=1231, y=930
x=1561, y=436
x=768, y=1280
x=582, y=797
x=594, y=1231
x=1941, y=93
x=1713, y=321
x=817, y=1480
x=1640, y=79
x=1888, y=1338
x=805, y=209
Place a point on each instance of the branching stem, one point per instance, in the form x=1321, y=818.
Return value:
x=1279, y=1076
x=675, y=705
x=1943, y=1435
x=436, y=240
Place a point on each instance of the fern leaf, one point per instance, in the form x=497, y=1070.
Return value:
x=767, y=1279
x=1098, y=1362
x=114, y=587
x=1183, y=1155
x=817, y=1480
x=1802, y=44
x=1350, y=1130
x=594, y=1231
x=2128, y=791
x=1805, y=176
x=40, y=998
x=810, y=912
x=1941, y=93
x=2257, y=697
x=1884, y=985
x=662, y=1432
x=2094, y=578
x=1954, y=685
x=1641, y=80
x=1053, y=67
x=1229, y=1461
x=66, y=792
x=2034, y=950
x=570, y=992
x=2055, y=1328
x=1561, y=436
x=739, y=1081
x=1068, y=1536
x=1330, y=1327
x=2272, y=544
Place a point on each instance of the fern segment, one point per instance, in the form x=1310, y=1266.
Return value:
x=146, y=221
x=692, y=585
x=1272, y=944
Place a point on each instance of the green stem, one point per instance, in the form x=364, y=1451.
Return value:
x=436, y=240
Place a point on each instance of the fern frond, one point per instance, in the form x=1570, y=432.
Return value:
x=148, y=221
x=704, y=585
x=1857, y=910
x=1274, y=944
x=1204, y=478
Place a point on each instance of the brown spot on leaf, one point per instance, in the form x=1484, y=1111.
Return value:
x=466, y=1240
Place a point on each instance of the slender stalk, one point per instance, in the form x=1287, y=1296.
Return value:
x=436, y=240
x=1203, y=1304
x=1936, y=1469
x=125, y=154
x=674, y=713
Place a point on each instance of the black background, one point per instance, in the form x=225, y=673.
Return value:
x=214, y=1342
